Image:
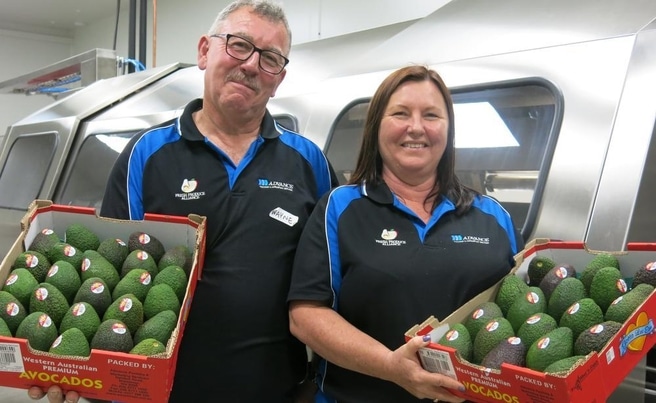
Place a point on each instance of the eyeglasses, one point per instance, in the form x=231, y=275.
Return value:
x=242, y=49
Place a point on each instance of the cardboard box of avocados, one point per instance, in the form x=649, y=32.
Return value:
x=104, y=374
x=594, y=380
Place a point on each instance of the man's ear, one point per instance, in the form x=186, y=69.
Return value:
x=203, y=48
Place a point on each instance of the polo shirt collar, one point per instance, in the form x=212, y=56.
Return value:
x=188, y=130
x=378, y=192
x=381, y=193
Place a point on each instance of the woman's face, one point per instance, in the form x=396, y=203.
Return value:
x=413, y=132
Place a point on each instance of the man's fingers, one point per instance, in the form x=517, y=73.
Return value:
x=55, y=395
x=35, y=393
x=72, y=397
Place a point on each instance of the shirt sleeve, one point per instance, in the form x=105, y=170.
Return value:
x=312, y=278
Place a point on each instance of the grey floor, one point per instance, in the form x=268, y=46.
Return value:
x=13, y=395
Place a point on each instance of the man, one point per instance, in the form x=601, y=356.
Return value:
x=256, y=182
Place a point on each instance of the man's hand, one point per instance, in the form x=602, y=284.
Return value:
x=55, y=395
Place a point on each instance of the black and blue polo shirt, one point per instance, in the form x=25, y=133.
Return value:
x=237, y=346
x=384, y=270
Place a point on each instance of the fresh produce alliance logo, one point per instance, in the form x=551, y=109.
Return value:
x=389, y=238
x=188, y=190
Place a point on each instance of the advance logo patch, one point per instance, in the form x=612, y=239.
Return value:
x=283, y=216
x=469, y=239
x=269, y=184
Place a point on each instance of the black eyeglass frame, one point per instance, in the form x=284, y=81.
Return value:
x=255, y=49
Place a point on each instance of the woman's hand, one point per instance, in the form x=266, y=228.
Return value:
x=406, y=371
x=55, y=395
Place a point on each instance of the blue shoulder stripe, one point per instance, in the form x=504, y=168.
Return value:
x=491, y=206
x=338, y=201
x=148, y=144
x=312, y=153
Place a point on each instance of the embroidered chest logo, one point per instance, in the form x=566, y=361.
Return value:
x=189, y=192
x=271, y=184
x=389, y=238
x=457, y=238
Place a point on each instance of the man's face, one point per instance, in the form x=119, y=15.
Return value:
x=241, y=85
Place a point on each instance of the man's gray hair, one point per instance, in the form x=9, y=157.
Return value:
x=263, y=8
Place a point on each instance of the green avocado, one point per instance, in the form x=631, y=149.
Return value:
x=112, y=335
x=554, y=346
x=161, y=297
x=48, y=299
x=39, y=330
x=81, y=237
x=72, y=342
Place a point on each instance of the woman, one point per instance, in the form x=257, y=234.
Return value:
x=403, y=241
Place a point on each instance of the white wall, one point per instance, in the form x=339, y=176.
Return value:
x=179, y=24
x=21, y=53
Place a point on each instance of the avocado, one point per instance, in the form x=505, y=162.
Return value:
x=81, y=237
x=128, y=309
x=538, y=267
x=511, y=351
x=95, y=292
x=39, y=330
x=581, y=315
x=160, y=297
x=607, y=285
x=623, y=306
x=510, y=288
x=535, y=327
x=174, y=276
x=137, y=282
x=595, y=337
x=21, y=284
x=34, y=262
x=554, y=277
x=83, y=316
x=525, y=306
x=112, y=335
x=140, y=240
x=642, y=289
x=44, y=240
x=567, y=292
x=554, y=346
x=494, y=332
x=600, y=260
x=161, y=326
x=95, y=265
x=72, y=342
x=11, y=311
x=139, y=259
x=4, y=329
x=148, y=347
x=457, y=337
x=48, y=299
x=179, y=255
x=64, y=276
x=115, y=251
x=66, y=252
x=565, y=364
x=479, y=317
x=646, y=275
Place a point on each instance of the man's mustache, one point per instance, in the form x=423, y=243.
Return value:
x=241, y=78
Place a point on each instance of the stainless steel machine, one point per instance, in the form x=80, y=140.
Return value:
x=555, y=116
